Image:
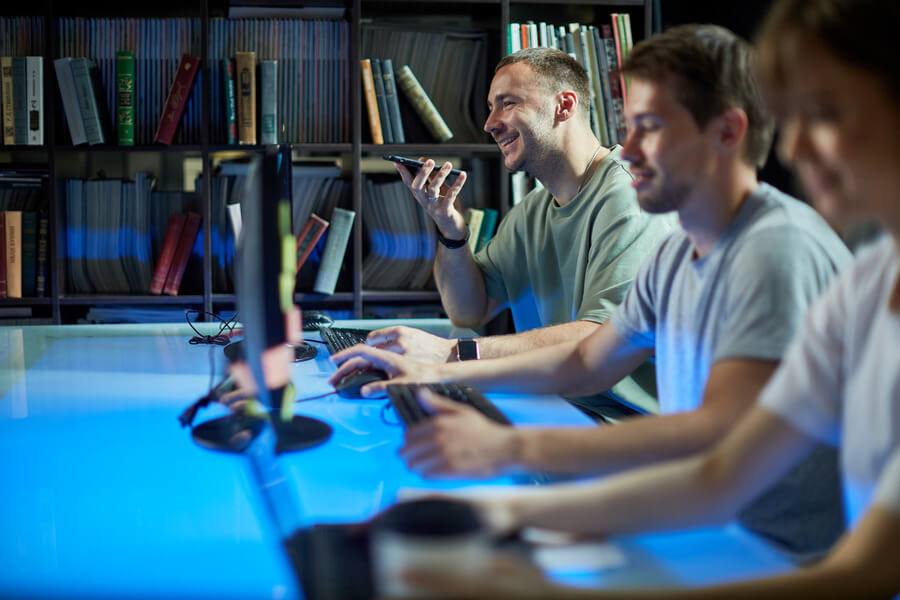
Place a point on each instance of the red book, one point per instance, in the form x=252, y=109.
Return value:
x=617, y=36
x=182, y=254
x=3, y=290
x=167, y=252
x=308, y=238
x=177, y=98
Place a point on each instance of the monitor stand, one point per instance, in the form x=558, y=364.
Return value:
x=302, y=351
x=234, y=433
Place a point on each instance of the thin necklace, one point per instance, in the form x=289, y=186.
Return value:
x=587, y=169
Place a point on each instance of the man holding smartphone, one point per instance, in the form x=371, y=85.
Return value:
x=716, y=304
x=561, y=259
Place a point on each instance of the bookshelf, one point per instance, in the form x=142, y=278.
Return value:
x=200, y=145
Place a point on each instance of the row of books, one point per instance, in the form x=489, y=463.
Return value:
x=115, y=234
x=22, y=100
x=601, y=50
x=158, y=47
x=449, y=63
x=20, y=37
x=239, y=78
x=122, y=237
x=22, y=190
x=312, y=77
x=402, y=239
x=383, y=102
x=23, y=254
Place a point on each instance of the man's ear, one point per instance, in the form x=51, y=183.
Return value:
x=730, y=128
x=566, y=105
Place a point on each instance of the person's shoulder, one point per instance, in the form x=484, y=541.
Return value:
x=613, y=172
x=874, y=263
x=780, y=222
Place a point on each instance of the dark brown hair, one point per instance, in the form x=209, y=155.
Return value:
x=711, y=70
x=556, y=70
x=863, y=33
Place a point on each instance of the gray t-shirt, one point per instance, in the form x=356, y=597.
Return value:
x=745, y=299
x=555, y=264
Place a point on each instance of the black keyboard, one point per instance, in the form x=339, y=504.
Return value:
x=410, y=411
x=338, y=338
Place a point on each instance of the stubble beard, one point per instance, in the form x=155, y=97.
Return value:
x=668, y=198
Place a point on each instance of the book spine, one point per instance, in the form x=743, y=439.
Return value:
x=488, y=223
x=43, y=237
x=335, y=248
x=268, y=100
x=182, y=254
x=13, y=254
x=414, y=91
x=381, y=100
x=167, y=252
x=125, y=97
x=614, y=82
x=230, y=101
x=9, y=118
x=29, y=253
x=237, y=222
x=90, y=114
x=618, y=38
x=393, y=102
x=66, y=83
x=474, y=219
x=20, y=101
x=245, y=69
x=177, y=98
x=371, y=101
x=3, y=287
x=308, y=238
x=104, y=117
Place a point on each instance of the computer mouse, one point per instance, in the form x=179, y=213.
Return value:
x=350, y=384
x=313, y=319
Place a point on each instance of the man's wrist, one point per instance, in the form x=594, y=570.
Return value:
x=452, y=242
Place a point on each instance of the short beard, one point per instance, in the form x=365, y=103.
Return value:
x=670, y=198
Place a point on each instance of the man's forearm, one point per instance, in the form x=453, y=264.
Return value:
x=660, y=497
x=497, y=346
x=461, y=286
x=602, y=450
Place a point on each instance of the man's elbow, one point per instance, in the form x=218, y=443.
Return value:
x=468, y=321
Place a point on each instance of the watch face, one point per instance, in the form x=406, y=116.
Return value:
x=467, y=350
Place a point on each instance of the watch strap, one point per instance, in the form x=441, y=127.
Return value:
x=452, y=244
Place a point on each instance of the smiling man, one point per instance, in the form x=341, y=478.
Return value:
x=718, y=302
x=563, y=258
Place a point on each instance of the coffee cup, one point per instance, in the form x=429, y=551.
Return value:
x=432, y=534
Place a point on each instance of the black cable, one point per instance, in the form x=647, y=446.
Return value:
x=325, y=395
x=220, y=338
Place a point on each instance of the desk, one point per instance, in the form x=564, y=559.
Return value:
x=104, y=495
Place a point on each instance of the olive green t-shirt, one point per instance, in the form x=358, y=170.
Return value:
x=555, y=264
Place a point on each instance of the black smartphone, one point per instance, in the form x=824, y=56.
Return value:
x=415, y=164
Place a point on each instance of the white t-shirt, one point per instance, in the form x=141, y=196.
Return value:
x=840, y=381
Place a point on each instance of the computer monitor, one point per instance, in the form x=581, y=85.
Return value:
x=264, y=277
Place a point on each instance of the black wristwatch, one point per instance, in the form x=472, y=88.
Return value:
x=452, y=244
x=466, y=349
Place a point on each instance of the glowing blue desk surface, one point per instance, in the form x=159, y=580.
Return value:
x=105, y=495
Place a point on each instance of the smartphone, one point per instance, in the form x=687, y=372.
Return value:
x=415, y=164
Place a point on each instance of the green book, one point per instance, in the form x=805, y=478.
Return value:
x=29, y=254
x=125, y=97
x=230, y=100
x=488, y=223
